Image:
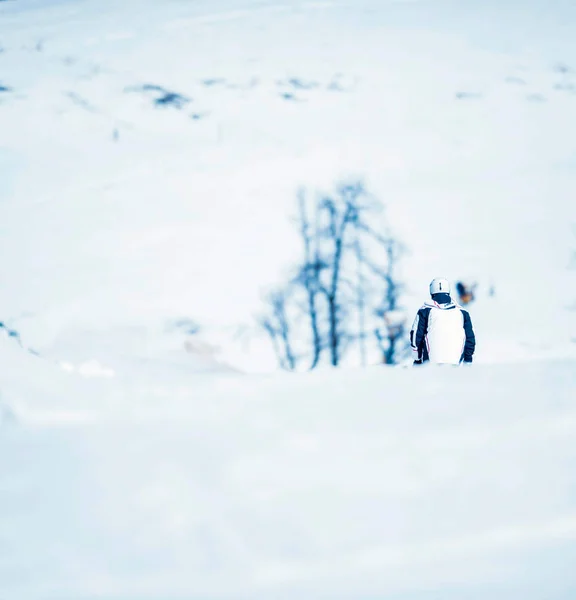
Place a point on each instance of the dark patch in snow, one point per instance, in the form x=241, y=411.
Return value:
x=198, y=116
x=536, y=98
x=184, y=325
x=172, y=99
x=4, y=88
x=213, y=82
x=163, y=97
x=81, y=102
x=299, y=84
x=562, y=68
x=469, y=95
x=289, y=96
x=515, y=80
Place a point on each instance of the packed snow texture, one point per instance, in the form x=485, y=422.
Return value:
x=150, y=154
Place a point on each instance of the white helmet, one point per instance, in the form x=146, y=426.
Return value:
x=440, y=285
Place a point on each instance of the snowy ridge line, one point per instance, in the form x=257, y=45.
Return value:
x=91, y=368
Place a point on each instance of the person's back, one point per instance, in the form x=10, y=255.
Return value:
x=442, y=332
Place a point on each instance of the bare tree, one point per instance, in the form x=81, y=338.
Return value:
x=394, y=331
x=309, y=276
x=340, y=220
x=277, y=325
x=332, y=300
x=361, y=301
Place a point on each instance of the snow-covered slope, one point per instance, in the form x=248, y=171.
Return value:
x=149, y=157
x=383, y=483
x=150, y=153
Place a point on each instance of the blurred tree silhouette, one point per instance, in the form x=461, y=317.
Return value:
x=343, y=294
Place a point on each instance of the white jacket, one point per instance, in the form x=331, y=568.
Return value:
x=442, y=334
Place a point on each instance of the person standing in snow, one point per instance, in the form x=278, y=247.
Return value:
x=442, y=331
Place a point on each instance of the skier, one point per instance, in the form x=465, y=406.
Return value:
x=442, y=331
x=465, y=292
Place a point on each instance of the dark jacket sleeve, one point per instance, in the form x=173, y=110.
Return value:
x=470, y=344
x=418, y=333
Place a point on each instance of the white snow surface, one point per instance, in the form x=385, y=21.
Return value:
x=382, y=483
x=137, y=462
